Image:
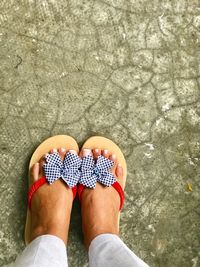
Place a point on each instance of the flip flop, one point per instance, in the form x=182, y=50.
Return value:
x=103, y=144
x=59, y=141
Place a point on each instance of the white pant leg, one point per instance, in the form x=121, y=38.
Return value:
x=44, y=251
x=109, y=251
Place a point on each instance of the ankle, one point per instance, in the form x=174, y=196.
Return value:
x=54, y=230
x=99, y=215
x=93, y=232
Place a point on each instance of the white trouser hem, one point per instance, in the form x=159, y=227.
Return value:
x=44, y=251
x=109, y=250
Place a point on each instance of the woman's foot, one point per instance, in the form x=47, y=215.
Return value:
x=51, y=204
x=100, y=206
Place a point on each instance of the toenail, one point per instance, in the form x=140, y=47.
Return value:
x=62, y=149
x=37, y=163
x=73, y=151
x=54, y=150
x=114, y=156
x=105, y=151
x=86, y=152
x=97, y=150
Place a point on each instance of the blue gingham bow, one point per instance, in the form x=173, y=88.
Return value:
x=99, y=171
x=68, y=169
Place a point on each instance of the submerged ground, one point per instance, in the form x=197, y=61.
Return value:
x=125, y=69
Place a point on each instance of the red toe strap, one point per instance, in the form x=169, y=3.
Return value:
x=38, y=184
x=117, y=187
x=81, y=187
x=34, y=188
x=74, y=191
x=120, y=191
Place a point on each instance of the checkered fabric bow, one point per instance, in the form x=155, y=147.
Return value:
x=99, y=171
x=68, y=169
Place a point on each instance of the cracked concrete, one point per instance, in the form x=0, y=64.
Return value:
x=125, y=69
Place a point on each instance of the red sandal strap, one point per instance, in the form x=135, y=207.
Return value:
x=117, y=187
x=38, y=184
x=74, y=191
x=34, y=188
x=120, y=191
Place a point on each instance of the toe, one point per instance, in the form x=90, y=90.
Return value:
x=119, y=171
x=73, y=151
x=96, y=153
x=105, y=153
x=41, y=166
x=113, y=158
x=86, y=152
x=35, y=171
x=62, y=152
x=54, y=150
